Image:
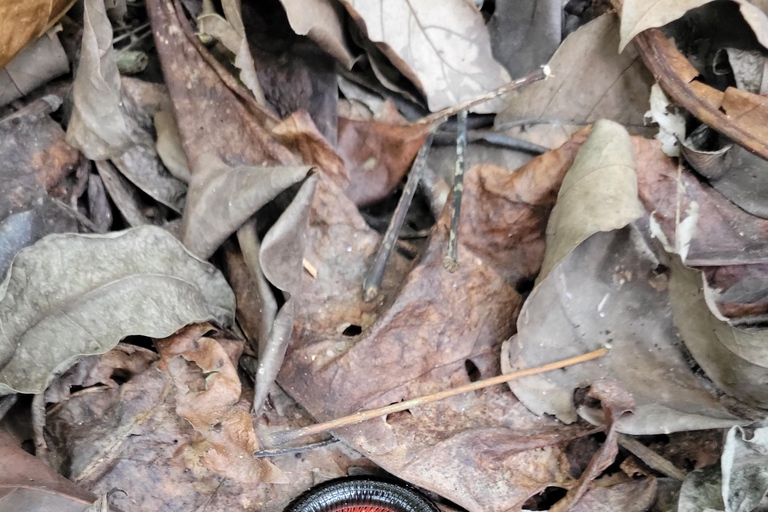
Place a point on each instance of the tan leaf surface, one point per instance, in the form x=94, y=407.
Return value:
x=590, y=82
x=444, y=49
x=418, y=338
x=21, y=21
x=639, y=15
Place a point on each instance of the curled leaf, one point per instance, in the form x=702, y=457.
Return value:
x=73, y=295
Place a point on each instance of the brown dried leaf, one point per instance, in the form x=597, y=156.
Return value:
x=26, y=21
x=631, y=496
x=443, y=49
x=377, y=155
x=590, y=81
x=413, y=342
x=740, y=115
x=38, y=63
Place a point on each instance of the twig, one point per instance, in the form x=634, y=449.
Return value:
x=452, y=258
x=372, y=282
x=285, y=436
x=444, y=114
x=296, y=449
x=652, y=459
x=448, y=138
x=79, y=217
x=38, y=425
x=135, y=42
x=130, y=33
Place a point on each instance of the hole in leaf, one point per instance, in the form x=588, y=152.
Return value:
x=472, y=371
x=352, y=330
x=397, y=417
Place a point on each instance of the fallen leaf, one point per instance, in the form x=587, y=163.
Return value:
x=632, y=496
x=670, y=119
x=589, y=81
x=735, y=360
x=524, y=35
x=45, y=56
x=599, y=193
x=26, y=21
x=169, y=145
x=210, y=402
x=280, y=257
x=701, y=491
x=222, y=198
x=638, y=16
x=445, y=51
x=131, y=438
x=98, y=205
x=100, y=505
x=140, y=281
x=377, y=155
x=124, y=194
x=413, y=342
x=323, y=22
x=97, y=126
x=736, y=114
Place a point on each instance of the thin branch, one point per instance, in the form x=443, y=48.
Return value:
x=444, y=114
x=452, y=258
x=297, y=449
x=285, y=436
x=38, y=427
x=372, y=282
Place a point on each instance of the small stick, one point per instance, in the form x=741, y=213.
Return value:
x=375, y=274
x=38, y=426
x=452, y=258
x=130, y=33
x=652, y=459
x=285, y=436
x=442, y=115
x=297, y=449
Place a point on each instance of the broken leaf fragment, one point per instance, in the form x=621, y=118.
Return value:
x=73, y=295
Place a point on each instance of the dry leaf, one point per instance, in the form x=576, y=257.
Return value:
x=323, y=22
x=632, y=496
x=599, y=193
x=169, y=145
x=124, y=194
x=222, y=198
x=377, y=155
x=97, y=127
x=26, y=21
x=98, y=205
x=444, y=50
x=73, y=295
x=590, y=81
x=413, y=341
x=640, y=15
x=38, y=63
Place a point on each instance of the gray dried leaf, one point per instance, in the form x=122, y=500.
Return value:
x=701, y=491
x=36, y=64
x=590, y=81
x=169, y=147
x=736, y=360
x=98, y=126
x=98, y=204
x=323, y=22
x=599, y=193
x=100, y=505
x=444, y=49
x=281, y=258
x=608, y=291
x=73, y=295
x=744, y=468
x=222, y=198
x=124, y=194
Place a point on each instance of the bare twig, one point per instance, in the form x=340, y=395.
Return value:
x=652, y=459
x=448, y=138
x=285, y=436
x=296, y=449
x=130, y=33
x=452, y=258
x=444, y=114
x=375, y=274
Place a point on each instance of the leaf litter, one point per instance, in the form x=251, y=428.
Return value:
x=160, y=374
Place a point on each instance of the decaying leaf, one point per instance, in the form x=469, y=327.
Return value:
x=421, y=345
x=222, y=198
x=670, y=120
x=131, y=436
x=377, y=155
x=211, y=403
x=631, y=496
x=323, y=22
x=599, y=193
x=46, y=56
x=608, y=291
x=169, y=145
x=97, y=127
x=444, y=50
x=639, y=15
x=590, y=81
x=73, y=295
x=124, y=194
x=281, y=260
x=25, y=21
